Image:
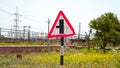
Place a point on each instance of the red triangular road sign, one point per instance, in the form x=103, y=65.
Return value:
x=61, y=27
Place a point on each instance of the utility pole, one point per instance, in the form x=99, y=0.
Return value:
x=29, y=33
x=48, y=32
x=48, y=27
x=79, y=31
x=24, y=33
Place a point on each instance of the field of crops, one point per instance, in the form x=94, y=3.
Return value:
x=73, y=59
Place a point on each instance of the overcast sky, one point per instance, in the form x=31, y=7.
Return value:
x=35, y=13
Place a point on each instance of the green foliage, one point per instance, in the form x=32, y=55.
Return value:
x=107, y=28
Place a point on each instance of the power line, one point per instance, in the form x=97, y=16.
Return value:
x=6, y=12
x=31, y=19
x=25, y=17
x=16, y=20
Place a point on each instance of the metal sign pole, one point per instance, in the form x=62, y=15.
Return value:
x=61, y=31
x=62, y=53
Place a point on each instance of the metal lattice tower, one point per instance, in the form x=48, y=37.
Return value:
x=16, y=24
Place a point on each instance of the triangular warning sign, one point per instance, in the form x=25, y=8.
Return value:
x=61, y=27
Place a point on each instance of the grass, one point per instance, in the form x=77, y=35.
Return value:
x=24, y=44
x=72, y=59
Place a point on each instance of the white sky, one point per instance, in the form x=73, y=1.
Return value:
x=36, y=12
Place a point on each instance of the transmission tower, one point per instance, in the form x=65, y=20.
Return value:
x=16, y=24
x=26, y=28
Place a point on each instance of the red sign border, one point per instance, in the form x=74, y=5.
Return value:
x=54, y=25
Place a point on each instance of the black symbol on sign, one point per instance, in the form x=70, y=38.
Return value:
x=61, y=26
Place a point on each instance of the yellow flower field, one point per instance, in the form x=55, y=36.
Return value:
x=72, y=59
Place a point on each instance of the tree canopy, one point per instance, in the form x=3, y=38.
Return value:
x=107, y=28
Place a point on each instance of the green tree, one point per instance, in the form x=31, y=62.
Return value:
x=87, y=37
x=107, y=28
